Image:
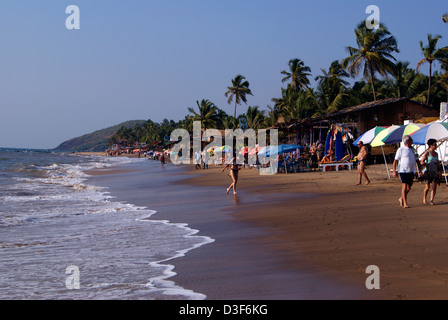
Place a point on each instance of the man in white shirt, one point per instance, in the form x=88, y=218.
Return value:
x=406, y=159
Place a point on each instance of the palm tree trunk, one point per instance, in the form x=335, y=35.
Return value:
x=234, y=114
x=429, y=84
x=371, y=81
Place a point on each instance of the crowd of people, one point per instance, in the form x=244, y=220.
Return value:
x=407, y=165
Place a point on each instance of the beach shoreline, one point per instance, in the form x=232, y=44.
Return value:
x=316, y=228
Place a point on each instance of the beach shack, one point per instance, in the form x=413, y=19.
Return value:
x=384, y=112
x=358, y=119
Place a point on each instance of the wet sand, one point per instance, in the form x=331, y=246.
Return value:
x=299, y=236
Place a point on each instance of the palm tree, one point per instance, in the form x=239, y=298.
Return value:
x=443, y=81
x=333, y=78
x=298, y=74
x=187, y=123
x=281, y=103
x=431, y=54
x=238, y=90
x=330, y=95
x=230, y=122
x=328, y=100
x=406, y=82
x=373, y=54
x=255, y=117
x=302, y=105
x=271, y=118
x=207, y=113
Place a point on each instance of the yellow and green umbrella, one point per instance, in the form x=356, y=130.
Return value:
x=397, y=135
x=378, y=140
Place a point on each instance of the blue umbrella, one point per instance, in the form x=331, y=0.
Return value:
x=397, y=135
x=279, y=149
x=434, y=130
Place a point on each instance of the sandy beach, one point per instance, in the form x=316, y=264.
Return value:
x=307, y=235
x=322, y=221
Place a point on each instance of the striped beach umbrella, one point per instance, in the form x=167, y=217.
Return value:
x=369, y=135
x=223, y=149
x=434, y=130
x=244, y=150
x=397, y=135
x=254, y=151
x=378, y=140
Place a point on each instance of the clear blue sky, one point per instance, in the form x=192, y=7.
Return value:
x=151, y=59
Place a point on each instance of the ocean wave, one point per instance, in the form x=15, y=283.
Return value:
x=61, y=192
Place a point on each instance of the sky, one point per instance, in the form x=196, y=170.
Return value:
x=152, y=59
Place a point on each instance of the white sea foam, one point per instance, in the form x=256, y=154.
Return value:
x=61, y=190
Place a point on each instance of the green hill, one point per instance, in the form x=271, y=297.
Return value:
x=95, y=141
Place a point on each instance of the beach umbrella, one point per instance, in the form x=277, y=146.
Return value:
x=378, y=140
x=254, y=151
x=244, y=151
x=369, y=135
x=264, y=150
x=434, y=130
x=223, y=149
x=218, y=149
x=227, y=149
x=279, y=149
x=397, y=135
x=211, y=151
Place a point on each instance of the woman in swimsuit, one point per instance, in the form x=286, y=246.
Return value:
x=234, y=168
x=431, y=161
x=362, y=161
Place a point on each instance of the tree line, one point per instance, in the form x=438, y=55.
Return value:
x=372, y=60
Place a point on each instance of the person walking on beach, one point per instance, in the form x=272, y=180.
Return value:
x=206, y=159
x=430, y=161
x=406, y=159
x=197, y=156
x=162, y=159
x=362, y=162
x=234, y=168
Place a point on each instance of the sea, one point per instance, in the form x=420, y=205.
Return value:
x=62, y=237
